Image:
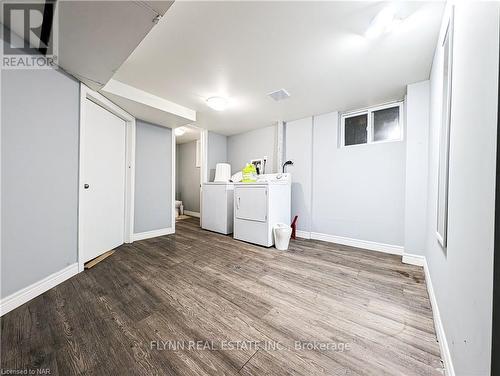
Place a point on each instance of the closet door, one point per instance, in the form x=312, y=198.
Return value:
x=103, y=168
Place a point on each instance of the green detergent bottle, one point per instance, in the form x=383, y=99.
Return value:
x=249, y=173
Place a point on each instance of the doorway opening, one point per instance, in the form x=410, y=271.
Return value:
x=190, y=162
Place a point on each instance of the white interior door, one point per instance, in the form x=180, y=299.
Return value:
x=103, y=173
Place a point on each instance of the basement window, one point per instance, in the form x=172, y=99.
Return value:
x=372, y=125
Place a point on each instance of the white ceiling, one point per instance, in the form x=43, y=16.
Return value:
x=95, y=37
x=315, y=50
x=191, y=134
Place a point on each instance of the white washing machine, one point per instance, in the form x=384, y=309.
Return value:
x=259, y=206
x=217, y=207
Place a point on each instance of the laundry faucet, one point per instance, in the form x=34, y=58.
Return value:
x=286, y=164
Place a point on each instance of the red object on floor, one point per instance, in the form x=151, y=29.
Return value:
x=294, y=226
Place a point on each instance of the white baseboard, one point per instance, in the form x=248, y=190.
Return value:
x=17, y=299
x=365, y=244
x=438, y=324
x=303, y=234
x=413, y=259
x=153, y=234
x=192, y=214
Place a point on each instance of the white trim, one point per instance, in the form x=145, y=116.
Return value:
x=413, y=259
x=137, y=95
x=311, y=177
x=18, y=298
x=438, y=323
x=444, y=135
x=1, y=185
x=86, y=93
x=203, y=171
x=365, y=244
x=174, y=181
x=153, y=234
x=369, y=126
x=204, y=165
x=280, y=149
x=204, y=156
x=130, y=180
x=192, y=213
x=303, y=234
x=198, y=154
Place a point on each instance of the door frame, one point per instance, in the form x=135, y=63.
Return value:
x=495, y=325
x=88, y=94
x=204, y=156
x=204, y=166
x=174, y=177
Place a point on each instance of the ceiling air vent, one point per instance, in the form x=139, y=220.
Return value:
x=279, y=95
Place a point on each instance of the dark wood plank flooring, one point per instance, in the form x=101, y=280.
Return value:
x=201, y=286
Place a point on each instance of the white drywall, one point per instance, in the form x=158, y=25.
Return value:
x=39, y=174
x=243, y=147
x=298, y=140
x=216, y=152
x=153, y=177
x=358, y=192
x=462, y=275
x=417, y=151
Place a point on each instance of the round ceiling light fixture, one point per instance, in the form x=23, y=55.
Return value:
x=217, y=103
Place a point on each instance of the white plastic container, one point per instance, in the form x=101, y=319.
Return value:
x=282, y=235
x=222, y=172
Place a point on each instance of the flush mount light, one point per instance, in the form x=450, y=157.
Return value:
x=382, y=23
x=179, y=131
x=217, y=103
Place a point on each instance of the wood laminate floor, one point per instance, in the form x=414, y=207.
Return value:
x=248, y=307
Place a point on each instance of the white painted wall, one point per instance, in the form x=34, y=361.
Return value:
x=417, y=151
x=462, y=275
x=153, y=177
x=216, y=152
x=39, y=173
x=358, y=192
x=243, y=147
x=298, y=140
